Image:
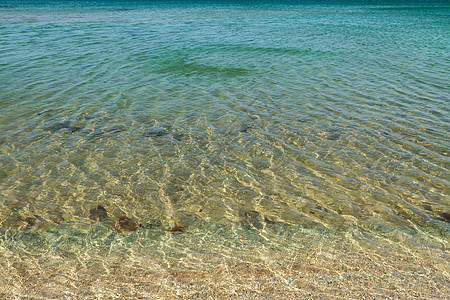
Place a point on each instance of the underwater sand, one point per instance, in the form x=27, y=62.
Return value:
x=163, y=150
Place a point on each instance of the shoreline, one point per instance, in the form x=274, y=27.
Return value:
x=326, y=274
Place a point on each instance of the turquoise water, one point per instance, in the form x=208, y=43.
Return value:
x=224, y=130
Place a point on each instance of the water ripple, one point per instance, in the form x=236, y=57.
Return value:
x=235, y=127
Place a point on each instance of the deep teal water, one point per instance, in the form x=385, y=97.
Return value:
x=329, y=119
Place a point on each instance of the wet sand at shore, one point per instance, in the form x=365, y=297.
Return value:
x=324, y=275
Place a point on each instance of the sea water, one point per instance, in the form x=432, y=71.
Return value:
x=246, y=133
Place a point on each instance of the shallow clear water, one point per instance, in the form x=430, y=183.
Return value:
x=330, y=122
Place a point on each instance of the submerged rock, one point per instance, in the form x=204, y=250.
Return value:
x=245, y=127
x=45, y=111
x=86, y=117
x=176, y=229
x=62, y=125
x=333, y=134
x=58, y=126
x=98, y=213
x=126, y=224
x=95, y=135
x=178, y=136
x=74, y=128
x=121, y=9
x=269, y=220
x=162, y=130
x=305, y=120
x=17, y=222
x=157, y=132
x=250, y=214
x=31, y=221
x=250, y=219
x=428, y=207
x=34, y=221
x=321, y=208
x=115, y=129
x=445, y=217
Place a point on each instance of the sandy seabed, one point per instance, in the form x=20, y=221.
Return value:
x=324, y=275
